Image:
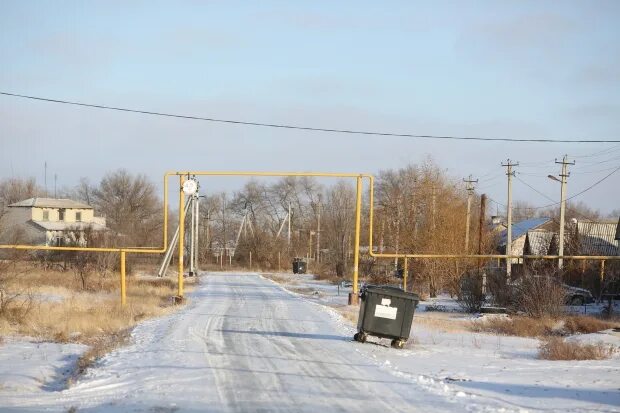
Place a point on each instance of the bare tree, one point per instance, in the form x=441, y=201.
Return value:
x=131, y=207
x=338, y=225
x=17, y=189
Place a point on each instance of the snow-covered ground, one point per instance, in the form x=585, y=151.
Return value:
x=501, y=368
x=245, y=344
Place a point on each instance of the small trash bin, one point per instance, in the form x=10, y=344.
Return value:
x=299, y=266
x=386, y=312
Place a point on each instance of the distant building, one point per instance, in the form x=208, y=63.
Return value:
x=597, y=237
x=49, y=221
x=520, y=232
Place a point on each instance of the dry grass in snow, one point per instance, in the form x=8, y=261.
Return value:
x=541, y=327
x=53, y=306
x=557, y=348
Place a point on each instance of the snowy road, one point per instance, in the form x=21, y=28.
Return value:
x=244, y=344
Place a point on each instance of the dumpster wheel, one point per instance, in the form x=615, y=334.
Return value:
x=396, y=343
x=361, y=337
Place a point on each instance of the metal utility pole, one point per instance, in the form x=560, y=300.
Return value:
x=318, y=232
x=192, y=235
x=224, y=241
x=510, y=173
x=469, y=186
x=563, y=179
x=196, y=245
x=483, y=210
x=173, y=243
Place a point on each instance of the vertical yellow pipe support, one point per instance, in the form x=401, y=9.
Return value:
x=405, y=272
x=353, y=298
x=602, y=273
x=181, y=235
x=123, y=285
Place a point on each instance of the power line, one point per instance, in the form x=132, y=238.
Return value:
x=534, y=189
x=600, y=153
x=305, y=128
x=577, y=194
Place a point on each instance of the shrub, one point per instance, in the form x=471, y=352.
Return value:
x=539, y=296
x=469, y=295
x=517, y=326
x=498, y=289
x=556, y=348
x=586, y=325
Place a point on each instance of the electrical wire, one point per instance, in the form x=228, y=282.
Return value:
x=603, y=152
x=534, y=189
x=569, y=198
x=305, y=128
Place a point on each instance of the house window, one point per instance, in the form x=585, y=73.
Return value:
x=78, y=216
x=61, y=214
x=46, y=215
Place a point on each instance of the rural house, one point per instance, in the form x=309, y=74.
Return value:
x=49, y=221
x=598, y=237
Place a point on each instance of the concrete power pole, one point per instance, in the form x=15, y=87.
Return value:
x=510, y=173
x=469, y=186
x=563, y=179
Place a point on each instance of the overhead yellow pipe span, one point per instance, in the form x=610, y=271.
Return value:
x=359, y=177
x=358, y=210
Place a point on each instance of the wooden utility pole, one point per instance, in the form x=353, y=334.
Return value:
x=563, y=179
x=469, y=186
x=510, y=173
x=483, y=210
x=289, y=225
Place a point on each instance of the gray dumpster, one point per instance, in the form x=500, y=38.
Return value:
x=386, y=312
x=299, y=266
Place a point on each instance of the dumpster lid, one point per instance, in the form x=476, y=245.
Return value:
x=391, y=290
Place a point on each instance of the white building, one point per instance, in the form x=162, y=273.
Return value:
x=49, y=221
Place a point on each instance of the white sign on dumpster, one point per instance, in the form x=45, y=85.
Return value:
x=385, y=311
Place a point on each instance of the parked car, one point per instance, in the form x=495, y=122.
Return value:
x=574, y=295
x=577, y=296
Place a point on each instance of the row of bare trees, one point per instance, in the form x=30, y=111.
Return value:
x=417, y=208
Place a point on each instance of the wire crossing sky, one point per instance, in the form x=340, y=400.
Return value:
x=307, y=128
x=315, y=86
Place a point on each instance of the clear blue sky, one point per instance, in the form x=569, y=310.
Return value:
x=522, y=69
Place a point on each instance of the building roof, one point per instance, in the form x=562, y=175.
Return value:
x=51, y=203
x=68, y=226
x=521, y=228
x=538, y=241
x=597, y=238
